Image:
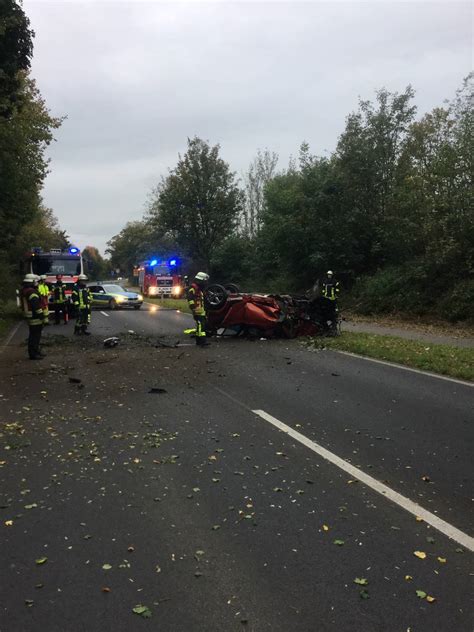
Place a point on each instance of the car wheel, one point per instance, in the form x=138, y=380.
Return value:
x=232, y=288
x=215, y=296
x=112, y=304
x=136, y=306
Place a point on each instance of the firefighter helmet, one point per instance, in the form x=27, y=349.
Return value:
x=30, y=278
x=202, y=276
x=82, y=277
x=43, y=277
x=330, y=273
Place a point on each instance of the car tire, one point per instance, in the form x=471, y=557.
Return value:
x=112, y=304
x=136, y=306
x=232, y=288
x=215, y=296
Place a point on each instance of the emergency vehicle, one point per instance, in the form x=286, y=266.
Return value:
x=160, y=279
x=68, y=263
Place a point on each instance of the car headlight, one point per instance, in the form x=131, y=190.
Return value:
x=177, y=290
x=139, y=297
x=120, y=299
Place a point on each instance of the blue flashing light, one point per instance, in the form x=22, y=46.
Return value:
x=154, y=262
x=173, y=262
x=73, y=250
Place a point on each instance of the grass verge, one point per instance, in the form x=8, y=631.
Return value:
x=442, y=359
x=170, y=303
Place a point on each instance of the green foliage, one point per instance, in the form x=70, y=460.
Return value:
x=95, y=265
x=198, y=203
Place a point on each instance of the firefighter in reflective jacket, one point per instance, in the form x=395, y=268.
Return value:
x=82, y=300
x=196, y=303
x=31, y=303
x=60, y=301
x=43, y=291
x=330, y=291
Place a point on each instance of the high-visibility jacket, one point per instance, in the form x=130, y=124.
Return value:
x=59, y=293
x=43, y=289
x=32, y=306
x=196, y=300
x=81, y=297
x=330, y=289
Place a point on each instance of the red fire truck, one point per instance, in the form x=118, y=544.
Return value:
x=160, y=278
x=67, y=262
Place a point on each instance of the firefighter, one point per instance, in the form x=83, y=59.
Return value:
x=43, y=291
x=330, y=292
x=60, y=301
x=82, y=300
x=31, y=302
x=196, y=303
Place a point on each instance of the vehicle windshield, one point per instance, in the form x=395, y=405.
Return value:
x=114, y=289
x=53, y=266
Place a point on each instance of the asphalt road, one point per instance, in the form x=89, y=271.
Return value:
x=207, y=513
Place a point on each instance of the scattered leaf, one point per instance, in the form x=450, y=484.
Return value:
x=408, y=578
x=8, y=523
x=41, y=560
x=105, y=589
x=142, y=611
x=106, y=567
x=361, y=581
x=427, y=479
x=325, y=527
x=420, y=554
x=215, y=527
x=430, y=599
x=32, y=506
x=419, y=519
x=421, y=594
x=339, y=542
x=364, y=594
x=29, y=602
x=442, y=560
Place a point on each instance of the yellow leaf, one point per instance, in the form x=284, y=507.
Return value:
x=351, y=481
x=442, y=560
x=430, y=598
x=8, y=523
x=325, y=527
x=408, y=578
x=419, y=519
x=420, y=554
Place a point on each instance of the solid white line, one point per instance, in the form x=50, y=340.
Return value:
x=105, y=314
x=407, y=504
x=8, y=340
x=407, y=368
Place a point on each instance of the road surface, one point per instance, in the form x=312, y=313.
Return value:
x=226, y=498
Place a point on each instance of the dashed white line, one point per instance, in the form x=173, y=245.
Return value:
x=105, y=314
x=437, y=523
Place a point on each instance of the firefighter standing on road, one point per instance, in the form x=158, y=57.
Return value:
x=60, y=301
x=43, y=291
x=31, y=302
x=330, y=292
x=196, y=304
x=82, y=300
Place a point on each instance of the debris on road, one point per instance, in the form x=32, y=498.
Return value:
x=111, y=342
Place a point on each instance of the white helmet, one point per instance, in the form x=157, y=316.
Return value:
x=82, y=277
x=30, y=278
x=43, y=277
x=202, y=276
x=330, y=273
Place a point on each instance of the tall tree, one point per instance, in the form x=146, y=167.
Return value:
x=199, y=202
x=96, y=266
x=260, y=172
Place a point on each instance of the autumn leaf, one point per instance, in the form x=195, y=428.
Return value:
x=41, y=560
x=420, y=594
x=441, y=560
x=106, y=567
x=325, y=527
x=430, y=599
x=408, y=578
x=420, y=554
x=361, y=581
x=339, y=542
x=142, y=611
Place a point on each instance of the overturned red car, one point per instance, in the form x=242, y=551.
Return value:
x=230, y=311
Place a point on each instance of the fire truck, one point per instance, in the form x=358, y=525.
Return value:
x=67, y=263
x=160, y=278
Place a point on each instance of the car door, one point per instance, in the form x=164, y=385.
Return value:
x=99, y=296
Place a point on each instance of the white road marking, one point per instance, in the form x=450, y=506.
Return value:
x=444, y=527
x=407, y=368
x=105, y=314
x=8, y=340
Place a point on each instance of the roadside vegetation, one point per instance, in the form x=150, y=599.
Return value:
x=443, y=359
x=170, y=303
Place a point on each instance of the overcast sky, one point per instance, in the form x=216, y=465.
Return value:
x=135, y=79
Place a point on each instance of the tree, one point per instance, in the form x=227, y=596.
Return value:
x=16, y=50
x=96, y=266
x=260, y=172
x=197, y=205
